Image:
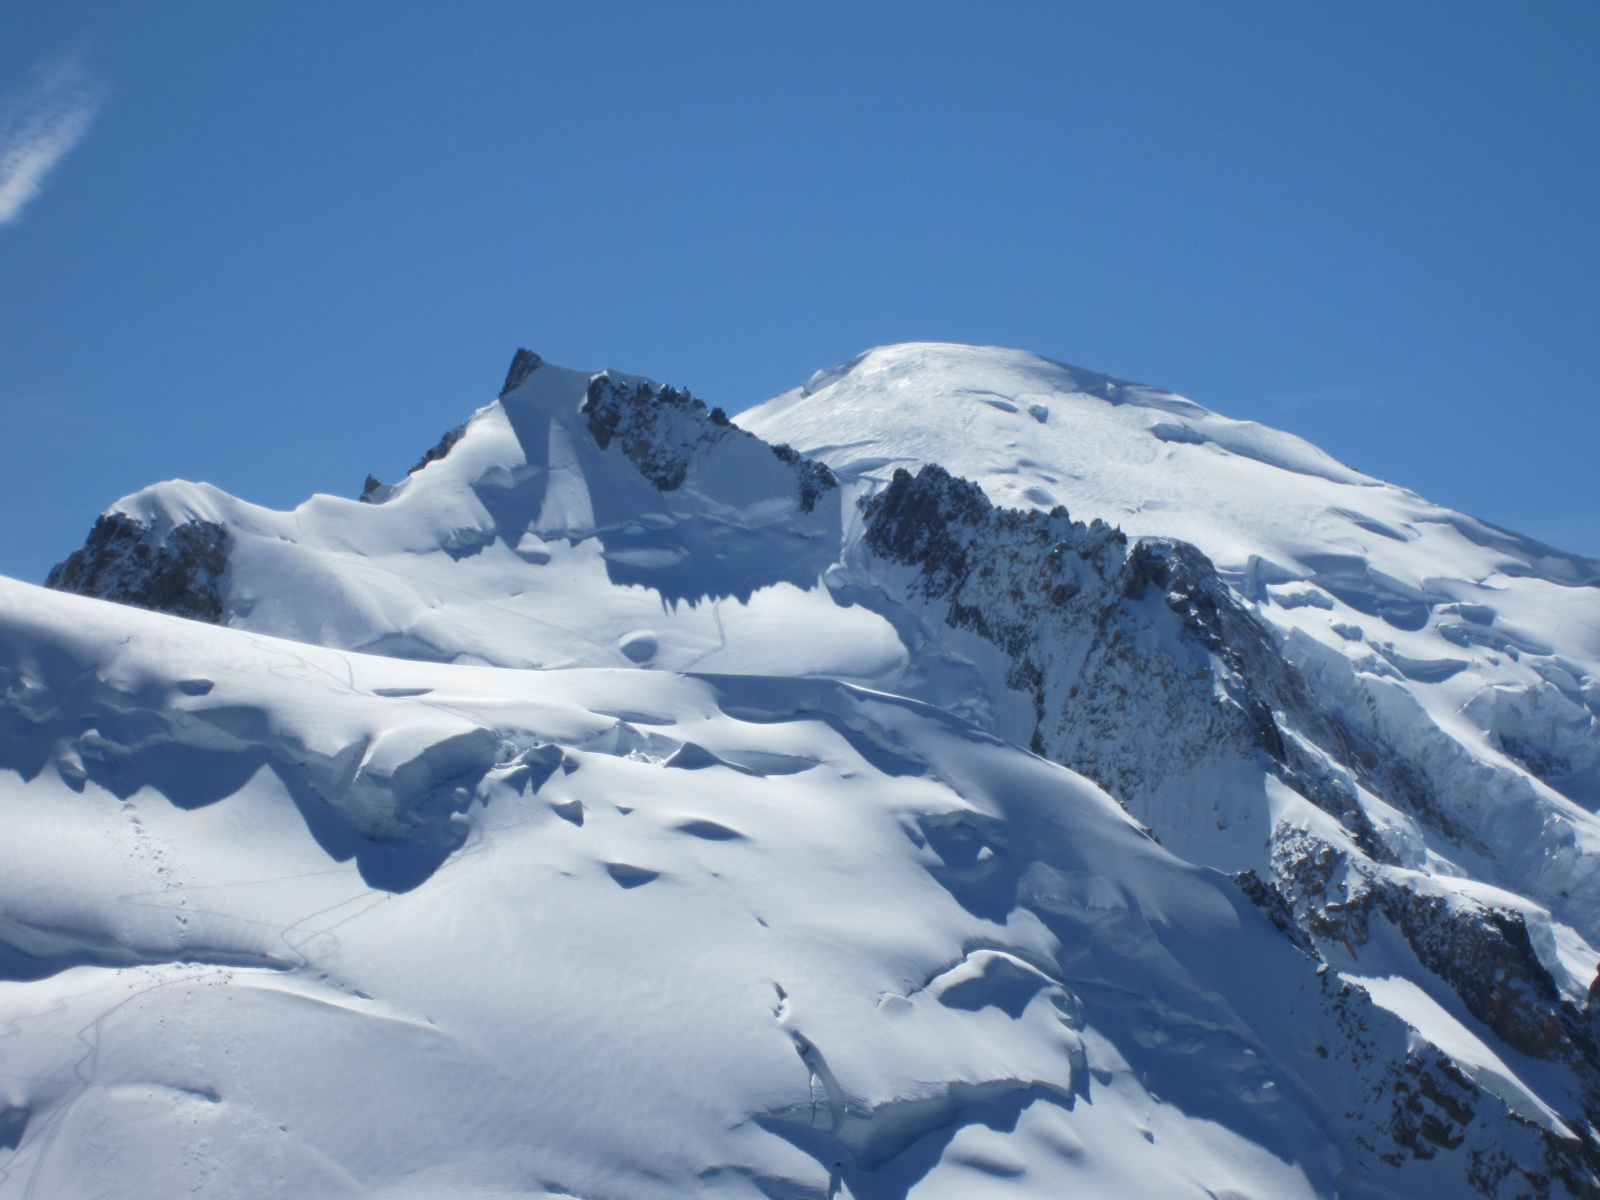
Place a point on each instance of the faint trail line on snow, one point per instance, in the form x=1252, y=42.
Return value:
x=209, y=887
x=300, y=926
x=722, y=641
x=57, y=1118
x=498, y=607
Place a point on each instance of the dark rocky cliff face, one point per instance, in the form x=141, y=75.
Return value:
x=664, y=431
x=659, y=429
x=1139, y=661
x=523, y=363
x=815, y=478
x=122, y=560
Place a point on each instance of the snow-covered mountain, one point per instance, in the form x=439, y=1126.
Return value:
x=965, y=775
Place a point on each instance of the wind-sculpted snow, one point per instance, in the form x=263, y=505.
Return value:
x=126, y=711
x=522, y=540
x=624, y=805
x=923, y=961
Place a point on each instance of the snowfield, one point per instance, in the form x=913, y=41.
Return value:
x=963, y=776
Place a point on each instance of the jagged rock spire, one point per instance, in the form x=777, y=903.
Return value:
x=523, y=364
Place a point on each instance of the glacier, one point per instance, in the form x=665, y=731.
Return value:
x=962, y=775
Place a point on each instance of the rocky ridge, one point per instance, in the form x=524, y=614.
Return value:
x=664, y=431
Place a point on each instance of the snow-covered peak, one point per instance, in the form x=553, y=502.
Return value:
x=1036, y=433
x=915, y=383
x=1355, y=568
x=776, y=904
x=582, y=519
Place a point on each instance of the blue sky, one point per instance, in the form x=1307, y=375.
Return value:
x=278, y=245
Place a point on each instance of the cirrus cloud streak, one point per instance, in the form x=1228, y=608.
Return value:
x=39, y=124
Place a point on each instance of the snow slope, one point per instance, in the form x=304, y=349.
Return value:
x=625, y=805
x=694, y=934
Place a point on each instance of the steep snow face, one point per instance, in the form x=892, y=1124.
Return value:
x=287, y=921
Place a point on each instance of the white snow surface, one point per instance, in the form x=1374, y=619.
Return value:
x=536, y=830
x=628, y=979
x=1448, y=637
x=443, y=568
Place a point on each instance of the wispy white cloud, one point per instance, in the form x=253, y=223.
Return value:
x=39, y=124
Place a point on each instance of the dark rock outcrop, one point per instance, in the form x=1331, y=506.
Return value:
x=124, y=561
x=815, y=478
x=1483, y=953
x=659, y=429
x=664, y=431
x=1140, y=662
x=523, y=364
